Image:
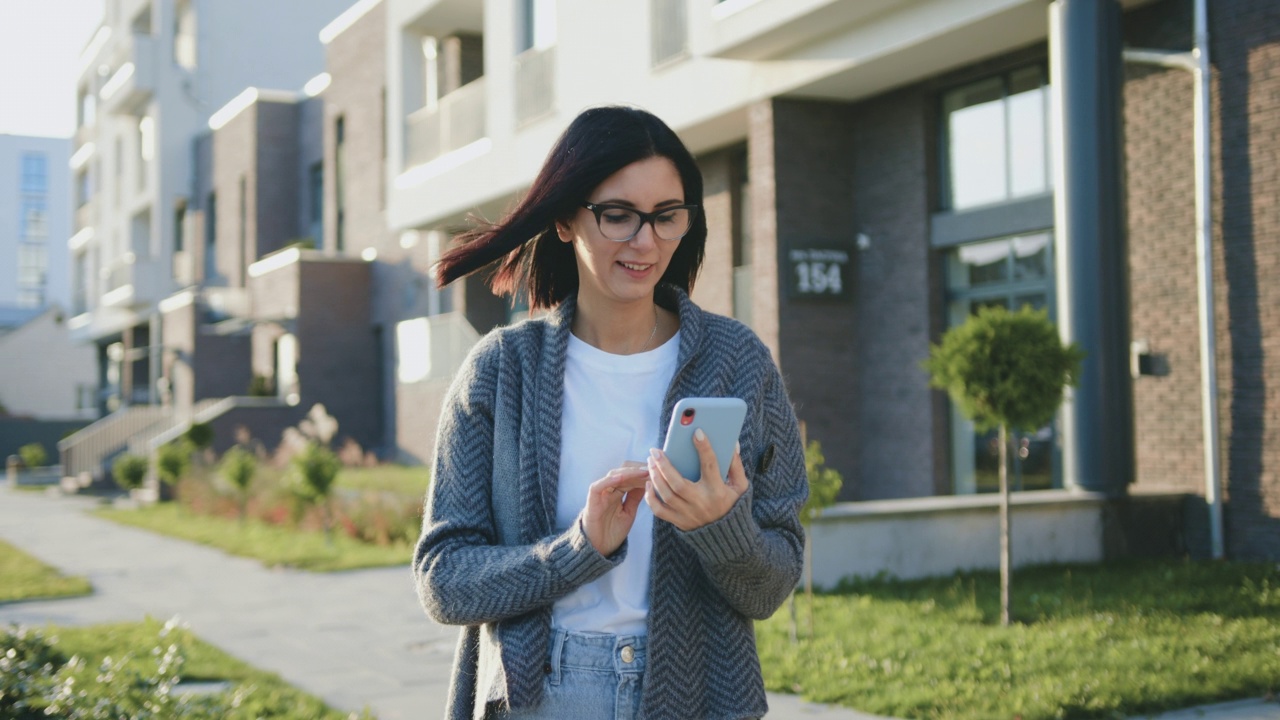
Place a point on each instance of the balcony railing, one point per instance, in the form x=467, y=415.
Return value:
x=131, y=281
x=670, y=37
x=535, y=84
x=130, y=86
x=456, y=121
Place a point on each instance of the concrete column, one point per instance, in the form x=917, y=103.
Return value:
x=1092, y=279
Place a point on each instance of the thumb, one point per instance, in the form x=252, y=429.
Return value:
x=737, y=473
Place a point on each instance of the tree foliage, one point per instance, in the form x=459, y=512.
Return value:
x=1005, y=368
x=33, y=455
x=316, y=467
x=824, y=483
x=200, y=435
x=173, y=461
x=129, y=471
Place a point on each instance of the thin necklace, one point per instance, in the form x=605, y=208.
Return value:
x=653, y=333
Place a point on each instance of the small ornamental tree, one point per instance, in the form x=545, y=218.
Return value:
x=238, y=467
x=316, y=467
x=1005, y=370
x=129, y=471
x=33, y=455
x=200, y=435
x=173, y=461
x=824, y=486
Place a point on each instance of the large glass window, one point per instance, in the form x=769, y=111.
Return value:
x=34, y=220
x=1008, y=272
x=35, y=173
x=996, y=144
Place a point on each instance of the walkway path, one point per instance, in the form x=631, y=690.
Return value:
x=356, y=639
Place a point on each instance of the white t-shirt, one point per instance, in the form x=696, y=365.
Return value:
x=612, y=409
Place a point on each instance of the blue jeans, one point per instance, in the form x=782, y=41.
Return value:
x=592, y=676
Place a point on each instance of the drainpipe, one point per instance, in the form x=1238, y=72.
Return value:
x=1197, y=62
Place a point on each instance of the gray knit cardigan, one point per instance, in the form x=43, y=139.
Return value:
x=489, y=557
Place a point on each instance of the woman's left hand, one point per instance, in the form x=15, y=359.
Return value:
x=687, y=504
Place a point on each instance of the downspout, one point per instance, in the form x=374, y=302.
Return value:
x=1197, y=62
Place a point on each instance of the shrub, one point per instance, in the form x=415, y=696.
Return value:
x=315, y=468
x=129, y=471
x=27, y=664
x=200, y=435
x=238, y=467
x=173, y=461
x=33, y=455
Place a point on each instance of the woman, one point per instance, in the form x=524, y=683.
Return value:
x=594, y=580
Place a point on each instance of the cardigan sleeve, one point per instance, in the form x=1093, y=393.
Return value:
x=464, y=576
x=755, y=553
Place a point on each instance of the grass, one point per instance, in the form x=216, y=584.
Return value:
x=265, y=695
x=23, y=577
x=271, y=544
x=1094, y=642
x=398, y=479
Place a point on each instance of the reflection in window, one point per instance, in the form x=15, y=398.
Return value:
x=996, y=145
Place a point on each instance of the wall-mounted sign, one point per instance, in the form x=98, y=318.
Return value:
x=820, y=272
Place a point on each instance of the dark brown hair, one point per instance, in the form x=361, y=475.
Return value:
x=531, y=259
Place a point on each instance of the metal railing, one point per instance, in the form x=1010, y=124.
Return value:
x=88, y=450
x=457, y=120
x=535, y=84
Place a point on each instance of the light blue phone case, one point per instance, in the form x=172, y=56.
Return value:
x=720, y=418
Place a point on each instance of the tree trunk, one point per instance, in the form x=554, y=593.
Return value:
x=1006, y=570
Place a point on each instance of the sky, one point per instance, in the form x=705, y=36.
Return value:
x=40, y=44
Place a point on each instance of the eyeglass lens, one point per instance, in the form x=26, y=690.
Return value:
x=623, y=223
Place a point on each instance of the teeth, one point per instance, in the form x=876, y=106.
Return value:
x=633, y=266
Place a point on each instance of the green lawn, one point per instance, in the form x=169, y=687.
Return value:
x=261, y=694
x=23, y=577
x=399, y=479
x=1093, y=642
x=271, y=544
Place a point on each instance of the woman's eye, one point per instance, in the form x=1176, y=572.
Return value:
x=617, y=217
x=667, y=218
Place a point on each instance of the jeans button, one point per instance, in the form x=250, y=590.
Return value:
x=628, y=654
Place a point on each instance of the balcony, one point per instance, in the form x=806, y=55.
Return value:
x=535, y=84
x=456, y=121
x=132, y=82
x=131, y=282
x=764, y=29
x=86, y=215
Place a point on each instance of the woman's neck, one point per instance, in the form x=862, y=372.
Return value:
x=617, y=328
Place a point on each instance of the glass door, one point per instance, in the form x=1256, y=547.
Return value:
x=1008, y=272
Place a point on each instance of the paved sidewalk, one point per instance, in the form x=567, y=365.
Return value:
x=355, y=639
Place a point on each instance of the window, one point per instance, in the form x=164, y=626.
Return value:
x=179, y=226
x=211, y=237
x=315, y=201
x=34, y=219
x=246, y=257
x=33, y=263
x=84, y=191
x=996, y=140
x=1007, y=272
x=88, y=107
x=146, y=148
x=339, y=182
x=184, y=35
x=537, y=24
x=35, y=173
x=142, y=21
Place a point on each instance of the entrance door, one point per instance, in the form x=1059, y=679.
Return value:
x=1007, y=272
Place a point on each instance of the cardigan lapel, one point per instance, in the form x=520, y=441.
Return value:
x=550, y=402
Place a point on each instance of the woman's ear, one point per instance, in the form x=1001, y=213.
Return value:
x=563, y=230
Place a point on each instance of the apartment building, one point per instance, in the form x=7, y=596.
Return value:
x=877, y=170
x=35, y=217
x=151, y=78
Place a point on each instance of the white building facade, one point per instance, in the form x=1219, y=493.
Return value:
x=35, y=218
x=151, y=78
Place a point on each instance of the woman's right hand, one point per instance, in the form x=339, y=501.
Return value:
x=611, y=508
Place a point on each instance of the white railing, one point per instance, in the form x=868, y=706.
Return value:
x=433, y=348
x=86, y=451
x=456, y=121
x=670, y=37
x=535, y=84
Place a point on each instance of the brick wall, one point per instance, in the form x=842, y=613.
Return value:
x=233, y=159
x=356, y=62
x=1245, y=53
x=714, y=289
x=276, y=196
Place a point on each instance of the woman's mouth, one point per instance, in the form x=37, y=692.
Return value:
x=636, y=269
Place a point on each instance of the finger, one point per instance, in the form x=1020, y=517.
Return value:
x=659, y=508
x=624, y=479
x=737, y=473
x=706, y=456
x=632, y=502
x=665, y=478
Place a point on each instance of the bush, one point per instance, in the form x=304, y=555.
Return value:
x=129, y=471
x=238, y=467
x=33, y=455
x=200, y=435
x=27, y=665
x=316, y=468
x=173, y=461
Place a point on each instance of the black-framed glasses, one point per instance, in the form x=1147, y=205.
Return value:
x=620, y=223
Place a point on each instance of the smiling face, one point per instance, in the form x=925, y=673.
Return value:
x=623, y=272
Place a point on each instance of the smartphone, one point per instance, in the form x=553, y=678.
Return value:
x=720, y=418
